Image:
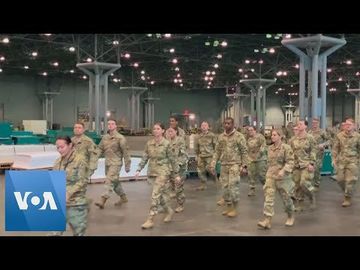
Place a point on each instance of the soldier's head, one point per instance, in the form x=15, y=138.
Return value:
x=173, y=121
x=228, y=124
x=290, y=124
x=79, y=128
x=302, y=125
x=276, y=135
x=295, y=130
x=158, y=129
x=112, y=125
x=204, y=126
x=349, y=125
x=251, y=131
x=63, y=145
x=171, y=133
x=315, y=123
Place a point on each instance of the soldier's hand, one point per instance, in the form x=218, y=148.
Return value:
x=212, y=170
x=311, y=168
x=321, y=147
x=243, y=171
x=177, y=179
x=137, y=174
x=281, y=173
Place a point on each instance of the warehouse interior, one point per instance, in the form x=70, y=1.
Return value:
x=49, y=81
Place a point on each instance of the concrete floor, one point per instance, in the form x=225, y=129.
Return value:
x=202, y=217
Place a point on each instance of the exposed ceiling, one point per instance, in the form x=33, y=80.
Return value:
x=203, y=60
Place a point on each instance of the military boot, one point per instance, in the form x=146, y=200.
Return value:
x=179, y=209
x=251, y=192
x=290, y=220
x=169, y=215
x=227, y=209
x=123, y=199
x=102, y=203
x=233, y=211
x=221, y=202
x=149, y=223
x=265, y=223
x=312, y=202
x=346, y=202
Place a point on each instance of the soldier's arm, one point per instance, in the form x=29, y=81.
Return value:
x=335, y=149
x=243, y=151
x=215, y=141
x=217, y=155
x=144, y=159
x=262, y=146
x=126, y=154
x=182, y=152
x=94, y=153
x=81, y=182
x=289, y=160
x=101, y=147
x=313, y=151
x=172, y=158
x=327, y=139
x=196, y=146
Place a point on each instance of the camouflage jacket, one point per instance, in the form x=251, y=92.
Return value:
x=279, y=157
x=161, y=159
x=178, y=148
x=305, y=149
x=76, y=177
x=346, y=147
x=115, y=148
x=321, y=137
x=87, y=148
x=257, y=147
x=204, y=145
x=231, y=149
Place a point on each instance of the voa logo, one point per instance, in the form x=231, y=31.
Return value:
x=23, y=199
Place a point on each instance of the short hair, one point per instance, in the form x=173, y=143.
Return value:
x=67, y=139
x=79, y=123
x=174, y=117
x=112, y=119
x=316, y=119
x=254, y=127
x=350, y=120
x=229, y=118
x=160, y=125
x=303, y=120
x=278, y=131
x=205, y=122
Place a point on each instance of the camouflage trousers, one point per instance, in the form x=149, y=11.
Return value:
x=160, y=194
x=230, y=183
x=179, y=187
x=257, y=172
x=284, y=187
x=318, y=166
x=77, y=218
x=203, y=166
x=347, y=174
x=303, y=182
x=112, y=182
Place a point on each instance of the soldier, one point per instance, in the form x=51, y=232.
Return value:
x=178, y=148
x=346, y=154
x=231, y=150
x=289, y=131
x=86, y=147
x=161, y=164
x=114, y=147
x=173, y=122
x=76, y=183
x=322, y=141
x=257, y=154
x=304, y=147
x=278, y=177
x=204, y=148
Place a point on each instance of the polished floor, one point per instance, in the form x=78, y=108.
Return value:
x=202, y=217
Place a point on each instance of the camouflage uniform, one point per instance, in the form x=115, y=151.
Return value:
x=322, y=138
x=257, y=154
x=178, y=149
x=289, y=133
x=87, y=148
x=161, y=164
x=305, y=153
x=114, y=148
x=346, y=153
x=280, y=157
x=76, y=183
x=204, y=148
x=231, y=150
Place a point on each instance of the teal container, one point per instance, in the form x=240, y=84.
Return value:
x=327, y=168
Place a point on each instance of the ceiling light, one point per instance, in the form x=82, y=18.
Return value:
x=142, y=72
x=72, y=49
x=72, y=71
x=240, y=70
x=180, y=81
x=5, y=40
x=247, y=61
x=181, y=85
x=44, y=73
x=174, y=61
x=167, y=35
x=207, y=87
x=26, y=67
x=115, y=42
x=178, y=75
x=143, y=78
x=224, y=44
x=115, y=80
x=136, y=64
x=348, y=62
x=2, y=58
x=172, y=50
x=84, y=77
x=55, y=64
x=89, y=60
x=256, y=50
x=152, y=82
x=216, y=66
x=219, y=56
x=177, y=69
x=329, y=70
x=48, y=35
x=297, y=66
x=261, y=61
x=207, y=72
x=252, y=70
x=1, y=70
x=272, y=50
x=246, y=76
x=211, y=78
x=340, y=79
x=127, y=55
x=175, y=80
x=268, y=35
x=213, y=73
x=288, y=36
x=206, y=78
x=34, y=54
